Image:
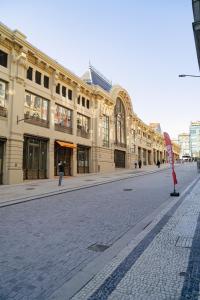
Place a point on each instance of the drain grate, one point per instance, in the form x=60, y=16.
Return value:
x=127, y=190
x=98, y=247
x=30, y=188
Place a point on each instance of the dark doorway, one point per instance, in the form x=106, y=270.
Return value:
x=35, y=158
x=82, y=159
x=119, y=159
x=62, y=154
x=1, y=161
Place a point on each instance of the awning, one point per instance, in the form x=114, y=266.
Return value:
x=66, y=145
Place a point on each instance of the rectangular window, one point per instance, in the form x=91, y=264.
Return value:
x=63, y=116
x=70, y=94
x=58, y=88
x=79, y=100
x=64, y=91
x=83, y=101
x=88, y=103
x=46, y=81
x=38, y=77
x=36, y=109
x=29, y=74
x=3, y=59
x=192, y=131
x=82, y=126
x=105, y=131
x=3, y=99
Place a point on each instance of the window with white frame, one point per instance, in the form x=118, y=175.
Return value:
x=83, y=123
x=105, y=131
x=3, y=94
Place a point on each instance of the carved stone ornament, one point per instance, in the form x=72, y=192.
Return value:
x=13, y=57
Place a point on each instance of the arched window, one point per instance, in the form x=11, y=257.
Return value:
x=120, y=123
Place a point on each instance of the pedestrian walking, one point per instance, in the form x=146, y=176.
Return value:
x=140, y=163
x=60, y=172
x=158, y=164
x=135, y=165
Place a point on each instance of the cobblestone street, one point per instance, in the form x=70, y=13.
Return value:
x=46, y=242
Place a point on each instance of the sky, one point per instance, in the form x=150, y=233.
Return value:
x=141, y=45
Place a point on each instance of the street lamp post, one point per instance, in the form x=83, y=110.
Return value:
x=187, y=75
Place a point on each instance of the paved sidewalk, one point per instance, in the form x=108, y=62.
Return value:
x=162, y=262
x=40, y=188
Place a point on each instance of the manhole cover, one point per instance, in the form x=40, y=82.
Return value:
x=182, y=273
x=98, y=247
x=30, y=188
x=89, y=180
x=127, y=190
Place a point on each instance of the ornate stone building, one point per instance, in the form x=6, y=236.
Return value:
x=48, y=114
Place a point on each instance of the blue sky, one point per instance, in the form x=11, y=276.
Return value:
x=141, y=45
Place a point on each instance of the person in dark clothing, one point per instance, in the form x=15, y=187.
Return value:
x=60, y=172
x=140, y=163
x=158, y=164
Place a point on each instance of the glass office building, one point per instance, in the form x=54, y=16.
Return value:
x=195, y=139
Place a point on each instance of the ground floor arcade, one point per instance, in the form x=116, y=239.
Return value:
x=34, y=157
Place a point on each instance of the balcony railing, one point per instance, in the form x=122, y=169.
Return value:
x=3, y=112
x=63, y=128
x=81, y=132
x=36, y=121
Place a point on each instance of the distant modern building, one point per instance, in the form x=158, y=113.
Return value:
x=195, y=139
x=196, y=26
x=156, y=127
x=184, y=142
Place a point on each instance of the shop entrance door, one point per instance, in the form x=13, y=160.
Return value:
x=82, y=160
x=119, y=159
x=35, y=158
x=1, y=161
x=62, y=154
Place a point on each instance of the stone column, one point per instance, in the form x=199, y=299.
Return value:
x=76, y=92
x=50, y=159
x=14, y=147
x=74, y=162
x=151, y=157
x=147, y=158
x=14, y=161
x=141, y=151
x=155, y=157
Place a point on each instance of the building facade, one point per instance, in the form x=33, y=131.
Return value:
x=184, y=142
x=156, y=127
x=195, y=139
x=47, y=114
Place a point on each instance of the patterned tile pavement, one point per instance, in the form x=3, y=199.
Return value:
x=165, y=264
